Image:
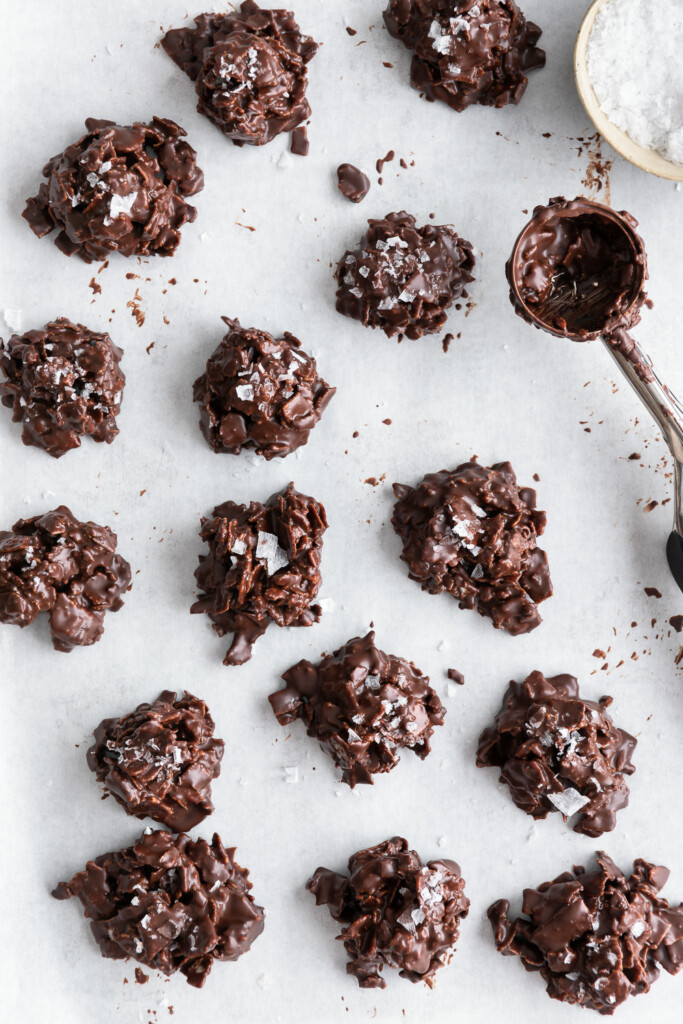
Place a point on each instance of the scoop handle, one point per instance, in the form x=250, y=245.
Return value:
x=667, y=412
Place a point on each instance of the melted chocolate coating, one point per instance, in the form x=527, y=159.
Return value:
x=472, y=532
x=118, y=189
x=263, y=566
x=54, y=563
x=171, y=903
x=467, y=51
x=404, y=278
x=352, y=183
x=159, y=760
x=396, y=911
x=249, y=68
x=259, y=392
x=595, y=937
x=362, y=706
x=547, y=740
x=61, y=383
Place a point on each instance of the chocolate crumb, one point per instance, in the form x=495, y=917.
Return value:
x=140, y=977
x=455, y=676
x=676, y=621
x=300, y=145
x=352, y=183
x=652, y=592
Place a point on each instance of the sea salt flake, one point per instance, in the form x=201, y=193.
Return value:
x=268, y=549
x=120, y=206
x=244, y=392
x=568, y=802
x=291, y=773
x=373, y=682
x=417, y=916
x=637, y=929
x=239, y=547
x=13, y=318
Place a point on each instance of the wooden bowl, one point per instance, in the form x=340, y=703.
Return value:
x=646, y=159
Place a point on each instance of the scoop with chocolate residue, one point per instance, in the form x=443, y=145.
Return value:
x=578, y=270
x=249, y=69
x=472, y=532
x=404, y=278
x=62, y=382
x=362, y=706
x=467, y=51
x=597, y=937
x=118, y=189
x=397, y=911
x=559, y=752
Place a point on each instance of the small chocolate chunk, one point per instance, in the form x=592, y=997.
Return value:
x=558, y=752
x=249, y=69
x=404, y=278
x=472, y=532
x=263, y=566
x=54, y=563
x=261, y=393
x=362, y=706
x=171, y=903
x=352, y=183
x=159, y=760
x=118, y=189
x=596, y=938
x=467, y=51
x=62, y=382
x=396, y=911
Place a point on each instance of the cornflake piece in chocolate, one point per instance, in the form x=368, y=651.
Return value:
x=263, y=566
x=261, y=393
x=557, y=751
x=467, y=51
x=404, y=278
x=62, y=382
x=362, y=706
x=54, y=563
x=472, y=532
x=395, y=911
x=171, y=903
x=352, y=183
x=598, y=937
x=249, y=69
x=159, y=761
x=118, y=189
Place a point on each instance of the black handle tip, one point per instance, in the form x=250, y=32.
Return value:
x=674, y=554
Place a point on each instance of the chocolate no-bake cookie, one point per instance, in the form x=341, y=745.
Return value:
x=263, y=566
x=558, y=752
x=404, y=278
x=259, y=392
x=170, y=903
x=118, y=189
x=596, y=937
x=396, y=911
x=362, y=706
x=159, y=761
x=62, y=382
x=54, y=563
x=249, y=68
x=467, y=51
x=473, y=532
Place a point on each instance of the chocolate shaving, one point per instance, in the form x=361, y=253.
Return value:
x=362, y=706
x=263, y=566
x=170, y=903
x=396, y=911
x=558, y=752
x=352, y=183
x=472, y=532
x=62, y=382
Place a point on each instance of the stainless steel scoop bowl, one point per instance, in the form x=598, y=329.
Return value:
x=635, y=364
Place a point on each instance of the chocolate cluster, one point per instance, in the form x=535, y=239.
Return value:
x=54, y=563
x=467, y=51
x=159, y=761
x=558, y=752
x=170, y=903
x=259, y=392
x=62, y=383
x=362, y=706
x=595, y=937
x=404, y=278
x=396, y=911
x=249, y=68
x=472, y=532
x=118, y=189
x=263, y=566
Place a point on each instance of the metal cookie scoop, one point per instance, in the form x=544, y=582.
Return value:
x=577, y=270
